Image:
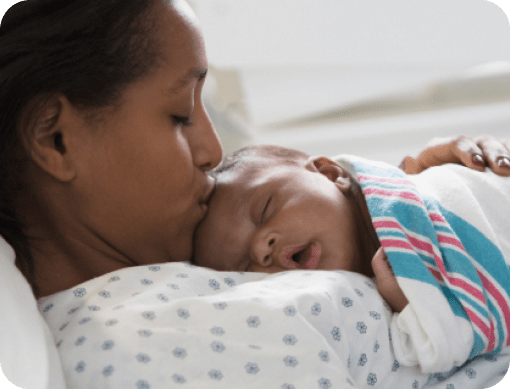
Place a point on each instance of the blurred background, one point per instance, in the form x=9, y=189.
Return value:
x=372, y=78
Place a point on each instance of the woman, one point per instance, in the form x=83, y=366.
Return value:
x=105, y=142
x=113, y=142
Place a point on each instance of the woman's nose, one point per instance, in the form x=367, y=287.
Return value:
x=203, y=141
x=263, y=248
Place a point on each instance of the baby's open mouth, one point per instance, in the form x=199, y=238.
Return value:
x=302, y=257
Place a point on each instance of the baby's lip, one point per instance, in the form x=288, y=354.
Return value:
x=314, y=254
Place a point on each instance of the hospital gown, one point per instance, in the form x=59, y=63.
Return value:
x=175, y=325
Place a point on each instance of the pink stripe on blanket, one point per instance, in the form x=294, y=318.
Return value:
x=415, y=242
x=435, y=217
x=386, y=224
x=394, y=243
x=452, y=241
x=422, y=245
x=470, y=290
x=478, y=322
x=494, y=292
x=437, y=275
x=399, y=181
x=394, y=193
x=459, y=283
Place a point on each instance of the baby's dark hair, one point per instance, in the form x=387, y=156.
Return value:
x=366, y=237
x=232, y=161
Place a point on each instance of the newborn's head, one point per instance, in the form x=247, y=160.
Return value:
x=275, y=209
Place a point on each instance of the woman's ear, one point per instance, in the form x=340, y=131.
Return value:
x=332, y=170
x=46, y=137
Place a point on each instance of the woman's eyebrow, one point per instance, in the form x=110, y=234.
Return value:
x=193, y=73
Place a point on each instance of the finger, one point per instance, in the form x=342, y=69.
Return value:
x=381, y=267
x=410, y=165
x=458, y=149
x=468, y=153
x=402, y=165
x=437, y=152
x=496, y=154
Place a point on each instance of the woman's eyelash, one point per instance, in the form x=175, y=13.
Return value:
x=184, y=120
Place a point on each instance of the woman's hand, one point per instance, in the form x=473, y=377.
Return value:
x=387, y=284
x=475, y=153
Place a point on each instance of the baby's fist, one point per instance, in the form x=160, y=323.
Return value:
x=387, y=284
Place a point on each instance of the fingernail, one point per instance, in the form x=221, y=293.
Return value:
x=379, y=254
x=478, y=160
x=504, y=162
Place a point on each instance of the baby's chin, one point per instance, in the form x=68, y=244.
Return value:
x=337, y=263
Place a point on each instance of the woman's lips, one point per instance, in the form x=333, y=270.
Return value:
x=200, y=210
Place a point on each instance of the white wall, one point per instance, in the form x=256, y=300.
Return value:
x=292, y=59
x=267, y=33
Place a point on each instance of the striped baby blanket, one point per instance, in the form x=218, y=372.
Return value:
x=446, y=235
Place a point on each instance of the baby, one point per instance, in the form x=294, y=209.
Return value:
x=444, y=231
x=277, y=209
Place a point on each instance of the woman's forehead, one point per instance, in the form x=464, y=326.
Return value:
x=179, y=34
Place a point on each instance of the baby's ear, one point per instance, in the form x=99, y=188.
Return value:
x=332, y=170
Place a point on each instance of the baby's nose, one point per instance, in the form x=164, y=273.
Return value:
x=263, y=248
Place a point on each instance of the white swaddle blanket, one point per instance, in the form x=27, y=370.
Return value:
x=176, y=325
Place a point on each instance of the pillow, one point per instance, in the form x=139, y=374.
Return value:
x=28, y=355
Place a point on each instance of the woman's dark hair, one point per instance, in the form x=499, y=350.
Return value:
x=87, y=50
x=367, y=241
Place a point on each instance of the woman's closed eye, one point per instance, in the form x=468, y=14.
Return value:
x=184, y=120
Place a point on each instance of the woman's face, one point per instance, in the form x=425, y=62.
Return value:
x=142, y=183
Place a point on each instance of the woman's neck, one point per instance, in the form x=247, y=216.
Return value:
x=65, y=253
x=62, y=262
